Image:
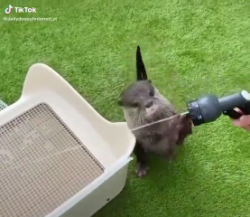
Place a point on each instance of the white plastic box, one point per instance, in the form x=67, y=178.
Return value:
x=58, y=156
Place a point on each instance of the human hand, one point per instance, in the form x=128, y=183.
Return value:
x=243, y=121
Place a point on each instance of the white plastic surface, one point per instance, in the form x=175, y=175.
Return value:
x=111, y=143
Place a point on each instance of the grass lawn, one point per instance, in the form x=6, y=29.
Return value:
x=190, y=48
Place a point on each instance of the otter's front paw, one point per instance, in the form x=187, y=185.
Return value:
x=142, y=169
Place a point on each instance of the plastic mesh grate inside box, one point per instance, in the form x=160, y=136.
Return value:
x=2, y=105
x=42, y=164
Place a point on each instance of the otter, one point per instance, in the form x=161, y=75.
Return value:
x=142, y=103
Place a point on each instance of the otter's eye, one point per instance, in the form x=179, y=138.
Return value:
x=151, y=93
x=135, y=104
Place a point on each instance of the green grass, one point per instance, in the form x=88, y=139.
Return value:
x=189, y=47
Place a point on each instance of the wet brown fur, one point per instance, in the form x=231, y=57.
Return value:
x=142, y=104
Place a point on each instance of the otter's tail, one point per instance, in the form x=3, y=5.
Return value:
x=140, y=68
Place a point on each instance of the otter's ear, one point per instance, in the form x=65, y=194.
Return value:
x=140, y=68
x=120, y=103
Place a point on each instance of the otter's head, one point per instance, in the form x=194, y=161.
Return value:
x=141, y=101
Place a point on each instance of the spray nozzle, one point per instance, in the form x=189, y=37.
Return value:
x=209, y=108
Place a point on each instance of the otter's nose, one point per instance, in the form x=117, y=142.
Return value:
x=149, y=103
